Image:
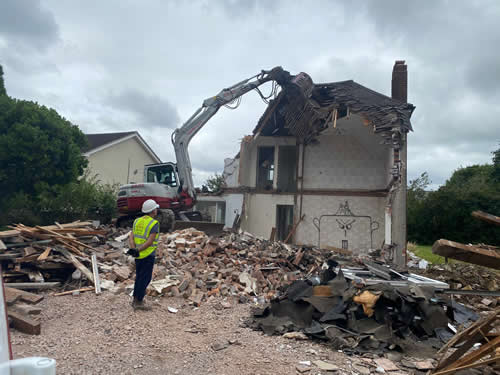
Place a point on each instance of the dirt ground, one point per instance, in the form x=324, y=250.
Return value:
x=89, y=334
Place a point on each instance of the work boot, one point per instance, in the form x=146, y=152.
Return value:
x=140, y=305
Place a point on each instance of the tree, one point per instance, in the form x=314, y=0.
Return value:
x=446, y=212
x=2, y=85
x=215, y=183
x=39, y=150
x=496, y=165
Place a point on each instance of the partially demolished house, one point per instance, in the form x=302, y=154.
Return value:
x=331, y=173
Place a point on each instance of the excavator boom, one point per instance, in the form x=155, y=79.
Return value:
x=183, y=135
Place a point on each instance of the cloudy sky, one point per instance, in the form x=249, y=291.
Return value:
x=147, y=65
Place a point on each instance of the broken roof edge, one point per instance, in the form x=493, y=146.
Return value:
x=386, y=113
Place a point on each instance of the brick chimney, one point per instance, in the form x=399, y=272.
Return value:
x=400, y=81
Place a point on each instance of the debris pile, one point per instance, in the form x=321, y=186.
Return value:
x=358, y=318
x=233, y=264
x=44, y=257
x=41, y=258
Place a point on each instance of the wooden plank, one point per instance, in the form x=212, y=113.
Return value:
x=23, y=295
x=71, y=247
x=44, y=255
x=33, y=286
x=22, y=244
x=77, y=264
x=476, y=355
x=489, y=218
x=60, y=236
x=27, y=309
x=466, y=339
x=24, y=323
x=473, y=365
x=86, y=289
x=75, y=224
x=467, y=253
x=10, y=256
x=95, y=270
x=294, y=228
x=2, y=246
x=273, y=234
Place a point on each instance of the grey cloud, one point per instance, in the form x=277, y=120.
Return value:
x=151, y=110
x=26, y=23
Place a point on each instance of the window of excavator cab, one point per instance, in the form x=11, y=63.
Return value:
x=163, y=174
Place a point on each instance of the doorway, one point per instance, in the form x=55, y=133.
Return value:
x=284, y=221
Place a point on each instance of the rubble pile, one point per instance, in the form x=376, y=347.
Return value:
x=231, y=265
x=359, y=318
x=465, y=276
x=44, y=257
x=40, y=258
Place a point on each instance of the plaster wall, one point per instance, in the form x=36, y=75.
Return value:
x=231, y=172
x=234, y=205
x=348, y=156
x=358, y=236
x=260, y=212
x=111, y=165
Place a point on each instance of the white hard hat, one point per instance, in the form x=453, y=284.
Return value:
x=149, y=206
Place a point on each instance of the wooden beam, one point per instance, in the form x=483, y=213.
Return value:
x=2, y=246
x=472, y=365
x=75, y=224
x=467, y=253
x=95, y=270
x=489, y=218
x=294, y=228
x=12, y=293
x=86, y=289
x=24, y=323
x=33, y=286
x=44, y=255
x=66, y=238
x=77, y=264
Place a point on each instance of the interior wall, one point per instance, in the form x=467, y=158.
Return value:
x=260, y=212
x=349, y=156
x=358, y=236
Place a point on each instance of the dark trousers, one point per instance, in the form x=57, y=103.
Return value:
x=143, y=275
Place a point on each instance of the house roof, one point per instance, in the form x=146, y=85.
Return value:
x=101, y=141
x=288, y=114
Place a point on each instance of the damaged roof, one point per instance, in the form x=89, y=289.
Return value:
x=289, y=115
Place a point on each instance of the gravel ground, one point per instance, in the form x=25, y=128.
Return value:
x=91, y=334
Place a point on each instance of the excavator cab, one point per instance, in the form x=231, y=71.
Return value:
x=164, y=173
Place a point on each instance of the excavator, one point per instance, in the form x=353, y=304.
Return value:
x=171, y=184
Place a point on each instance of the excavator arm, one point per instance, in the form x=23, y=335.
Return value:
x=183, y=135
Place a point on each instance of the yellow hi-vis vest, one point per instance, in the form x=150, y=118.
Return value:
x=142, y=230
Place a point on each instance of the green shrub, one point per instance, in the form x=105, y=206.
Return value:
x=81, y=200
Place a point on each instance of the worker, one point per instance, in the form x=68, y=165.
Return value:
x=143, y=241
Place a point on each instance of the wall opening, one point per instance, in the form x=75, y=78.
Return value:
x=287, y=169
x=265, y=168
x=284, y=221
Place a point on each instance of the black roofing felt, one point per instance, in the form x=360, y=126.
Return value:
x=101, y=139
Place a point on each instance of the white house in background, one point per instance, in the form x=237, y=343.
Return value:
x=118, y=158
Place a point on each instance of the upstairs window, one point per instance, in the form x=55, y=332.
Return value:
x=265, y=168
